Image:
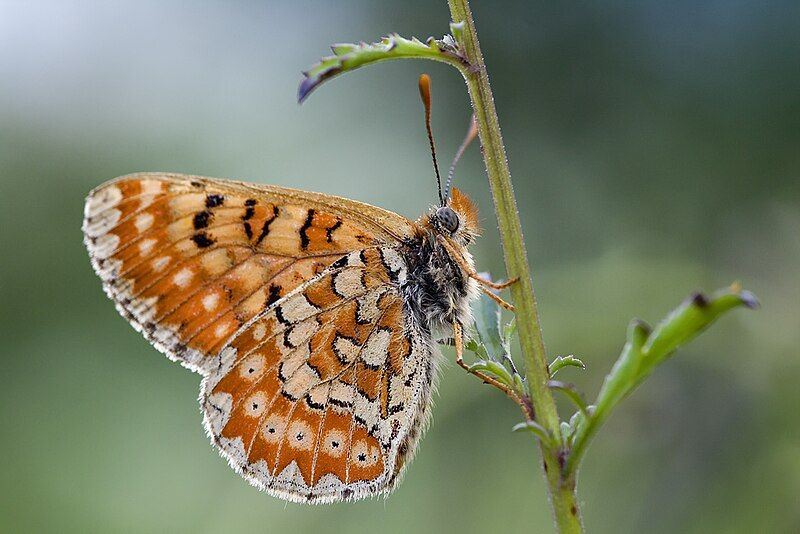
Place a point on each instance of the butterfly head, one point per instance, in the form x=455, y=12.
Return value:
x=457, y=219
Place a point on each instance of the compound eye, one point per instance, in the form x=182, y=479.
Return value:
x=448, y=218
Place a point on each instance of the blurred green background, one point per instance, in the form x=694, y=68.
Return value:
x=655, y=149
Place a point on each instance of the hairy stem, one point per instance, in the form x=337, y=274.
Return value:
x=562, y=492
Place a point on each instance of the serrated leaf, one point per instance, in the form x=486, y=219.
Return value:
x=350, y=56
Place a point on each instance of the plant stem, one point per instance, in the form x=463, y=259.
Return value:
x=562, y=492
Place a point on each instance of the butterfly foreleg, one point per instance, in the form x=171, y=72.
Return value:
x=494, y=285
x=489, y=293
x=458, y=341
x=485, y=285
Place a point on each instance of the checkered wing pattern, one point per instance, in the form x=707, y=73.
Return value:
x=316, y=378
x=322, y=397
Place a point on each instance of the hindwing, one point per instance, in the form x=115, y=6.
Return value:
x=322, y=396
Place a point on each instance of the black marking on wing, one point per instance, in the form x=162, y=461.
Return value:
x=250, y=211
x=201, y=219
x=274, y=295
x=265, y=228
x=202, y=240
x=304, y=241
x=329, y=231
x=212, y=201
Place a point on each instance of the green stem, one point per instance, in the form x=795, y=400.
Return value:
x=562, y=491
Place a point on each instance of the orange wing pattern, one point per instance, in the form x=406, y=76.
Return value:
x=189, y=260
x=317, y=379
x=322, y=397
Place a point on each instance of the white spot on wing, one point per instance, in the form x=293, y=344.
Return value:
x=301, y=381
x=143, y=221
x=342, y=392
x=210, y=301
x=346, y=349
x=183, y=277
x=146, y=245
x=255, y=404
x=300, y=435
x=221, y=329
x=302, y=332
x=273, y=428
x=348, y=283
x=159, y=263
x=291, y=476
x=377, y=347
x=297, y=308
x=259, y=331
x=395, y=262
x=251, y=367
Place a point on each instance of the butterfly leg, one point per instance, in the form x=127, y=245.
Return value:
x=458, y=339
x=489, y=293
x=484, y=284
x=494, y=285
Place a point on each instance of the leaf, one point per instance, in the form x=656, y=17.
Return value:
x=566, y=432
x=646, y=348
x=571, y=393
x=350, y=56
x=477, y=347
x=509, y=331
x=536, y=428
x=564, y=361
x=487, y=324
x=496, y=369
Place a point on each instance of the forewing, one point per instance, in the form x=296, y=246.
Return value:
x=322, y=397
x=189, y=260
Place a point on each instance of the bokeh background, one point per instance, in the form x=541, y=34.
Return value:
x=655, y=149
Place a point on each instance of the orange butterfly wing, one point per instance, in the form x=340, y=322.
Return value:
x=188, y=260
x=322, y=396
x=290, y=303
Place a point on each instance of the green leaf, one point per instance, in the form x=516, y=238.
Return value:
x=536, y=428
x=571, y=393
x=350, y=56
x=566, y=432
x=487, y=324
x=646, y=348
x=519, y=384
x=509, y=331
x=476, y=346
x=496, y=369
x=564, y=361
x=693, y=316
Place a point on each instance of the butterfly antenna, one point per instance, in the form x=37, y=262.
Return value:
x=471, y=134
x=425, y=94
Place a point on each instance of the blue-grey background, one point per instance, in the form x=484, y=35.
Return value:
x=655, y=149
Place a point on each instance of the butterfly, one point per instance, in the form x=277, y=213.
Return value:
x=312, y=318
